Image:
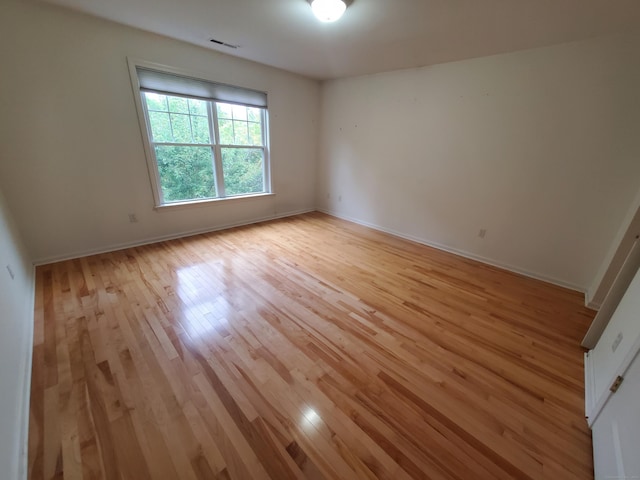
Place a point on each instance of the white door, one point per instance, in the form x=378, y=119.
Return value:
x=616, y=431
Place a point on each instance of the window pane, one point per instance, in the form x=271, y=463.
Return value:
x=255, y=134
x=226, y=132
x=239, y=112
x=254, y=114
x=178, y=105
x=241, y=133
x=224, y=110
x=243, y=170
x=181, y=128
x=200, y=127
x=197, y=107
x=192, y=126
x=156, y=101
x=160, y=127
x=186, y=173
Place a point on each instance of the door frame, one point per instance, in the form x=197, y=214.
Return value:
x=594, y=406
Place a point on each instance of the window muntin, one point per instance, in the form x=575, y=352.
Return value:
x=177, y=119
x=191, y=165
x=239, y=125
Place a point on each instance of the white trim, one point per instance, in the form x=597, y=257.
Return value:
x=597, y=407
x=141, y=110
x=208, y=201
x=630, y=228
x=461, y=253
x=266, y=149
x=592, y=305
x=589, y=385
x=588, y=297
x=162, y=238
x=588, y=300
x=619, y=286
x=214, y=132
x=26, y=365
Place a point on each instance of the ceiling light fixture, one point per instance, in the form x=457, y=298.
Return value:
x=328, y=10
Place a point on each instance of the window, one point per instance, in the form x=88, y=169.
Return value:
x=206, y=140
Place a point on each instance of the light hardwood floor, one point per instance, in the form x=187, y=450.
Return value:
x=307, y=347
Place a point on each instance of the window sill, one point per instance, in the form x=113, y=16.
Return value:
x=210, y=201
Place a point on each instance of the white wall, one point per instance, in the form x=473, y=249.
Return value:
x=73, y=164
x=539, y=147
x=16, y=327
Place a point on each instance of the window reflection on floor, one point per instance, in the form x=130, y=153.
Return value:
x=203, y=313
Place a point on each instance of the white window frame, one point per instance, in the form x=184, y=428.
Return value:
x=149, y=144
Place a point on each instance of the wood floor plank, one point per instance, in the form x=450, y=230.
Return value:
x=304, y=348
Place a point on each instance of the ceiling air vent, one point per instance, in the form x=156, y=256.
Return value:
x=224, y=44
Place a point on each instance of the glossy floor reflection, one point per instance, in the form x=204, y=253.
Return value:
x=306, y=347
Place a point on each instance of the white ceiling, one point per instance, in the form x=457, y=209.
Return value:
x=374, y=35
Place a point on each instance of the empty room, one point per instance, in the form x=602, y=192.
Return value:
x=319, y=239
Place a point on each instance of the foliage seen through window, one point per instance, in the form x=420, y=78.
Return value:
x=191, y=165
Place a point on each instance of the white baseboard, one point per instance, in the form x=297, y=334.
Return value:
x=462, y=253
x=588, y=300
x=162, y=238
x=455, y=251
x=25, y=366
x=592, y=305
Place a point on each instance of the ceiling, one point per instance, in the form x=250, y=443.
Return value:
x=373, y=35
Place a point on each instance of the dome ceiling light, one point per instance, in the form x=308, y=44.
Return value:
x=328, y=10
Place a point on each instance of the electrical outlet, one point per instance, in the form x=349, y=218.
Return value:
x=11, y=274
x=133, y=218
x=482, y=233
x=339, y=198
x=616, y=342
